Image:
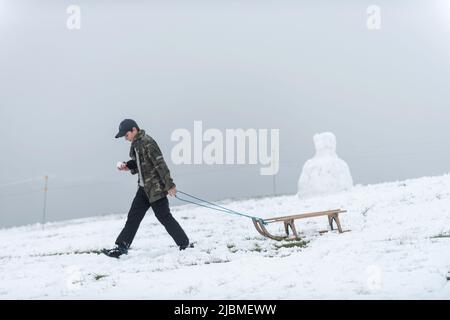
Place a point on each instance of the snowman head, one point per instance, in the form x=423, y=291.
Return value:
x=325, y=144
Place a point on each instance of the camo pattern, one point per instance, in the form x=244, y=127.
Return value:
x=154, y=170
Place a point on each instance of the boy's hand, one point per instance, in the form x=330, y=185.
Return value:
x=172, y=191
x=122, y=166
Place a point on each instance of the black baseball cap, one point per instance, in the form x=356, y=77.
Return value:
x=125, y=126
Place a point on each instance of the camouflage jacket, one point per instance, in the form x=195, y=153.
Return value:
x=154, y=170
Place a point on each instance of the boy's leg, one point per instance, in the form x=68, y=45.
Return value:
x=162, y=213
x=137, y=212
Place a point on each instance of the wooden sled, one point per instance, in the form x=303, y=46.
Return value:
x=333, y=216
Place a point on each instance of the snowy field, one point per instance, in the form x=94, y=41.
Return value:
x=398, y=248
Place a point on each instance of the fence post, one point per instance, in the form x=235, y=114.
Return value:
x=45, y=201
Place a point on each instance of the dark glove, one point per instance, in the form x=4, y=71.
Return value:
x=131, y=165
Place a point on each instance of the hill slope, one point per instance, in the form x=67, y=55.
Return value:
x=398, y=247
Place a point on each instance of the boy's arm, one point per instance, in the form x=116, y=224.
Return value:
x=157, y=159
x=132, y=166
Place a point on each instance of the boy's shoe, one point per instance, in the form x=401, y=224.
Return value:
x=190, y=245
x=117, y=251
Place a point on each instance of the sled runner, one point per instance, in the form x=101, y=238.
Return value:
x=289, y=223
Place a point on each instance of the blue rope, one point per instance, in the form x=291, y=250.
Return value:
x=214, y=206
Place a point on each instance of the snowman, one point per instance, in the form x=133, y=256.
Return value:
x=326, y=173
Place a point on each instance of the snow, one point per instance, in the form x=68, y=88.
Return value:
x=326, y=173
x=398, y=248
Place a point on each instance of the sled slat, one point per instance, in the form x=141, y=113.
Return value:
x=305, y=215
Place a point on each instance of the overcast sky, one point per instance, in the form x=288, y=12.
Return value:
x=299, y=66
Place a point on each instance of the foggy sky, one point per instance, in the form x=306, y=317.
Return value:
x=303, y=67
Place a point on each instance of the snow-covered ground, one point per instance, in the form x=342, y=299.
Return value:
x=398, y=247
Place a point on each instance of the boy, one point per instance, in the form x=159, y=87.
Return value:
x=154, y=185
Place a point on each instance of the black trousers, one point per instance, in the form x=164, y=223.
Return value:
x=161, y=209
